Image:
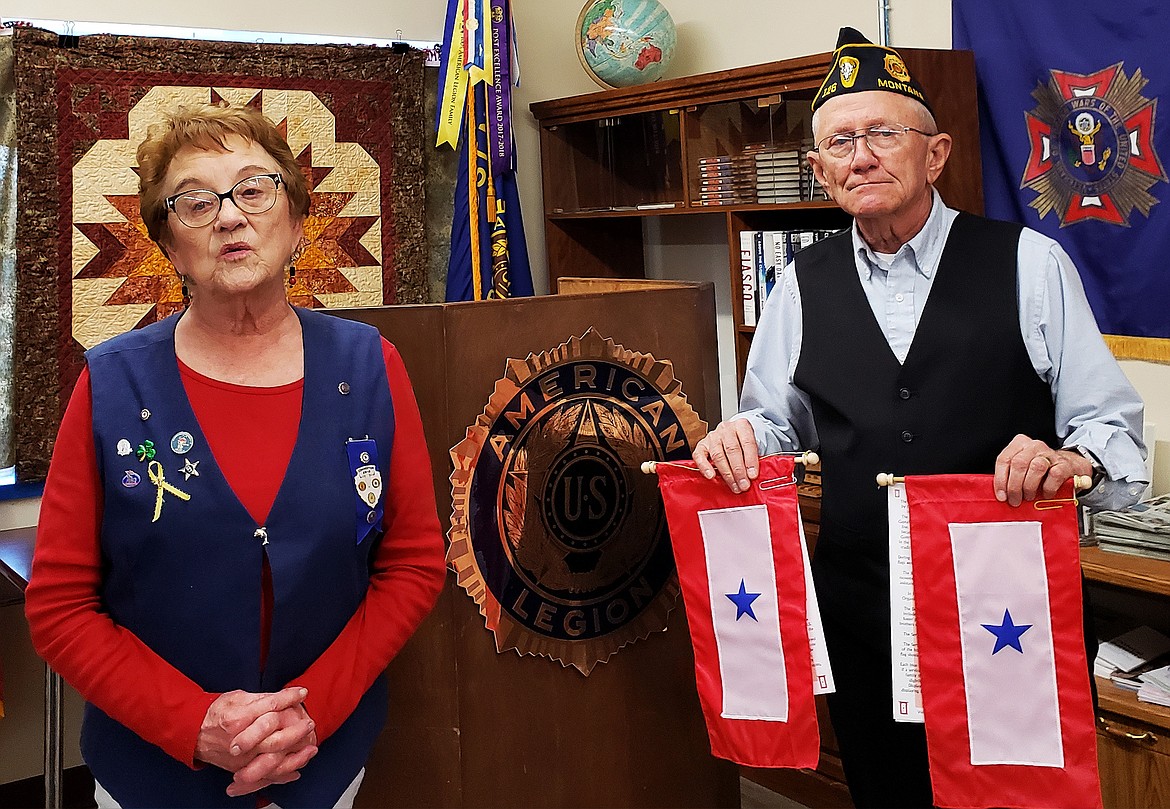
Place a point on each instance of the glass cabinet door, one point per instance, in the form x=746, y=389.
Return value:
x=751, y=151
x=625, y=162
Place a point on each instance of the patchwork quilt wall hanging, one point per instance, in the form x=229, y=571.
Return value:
x=86, y=269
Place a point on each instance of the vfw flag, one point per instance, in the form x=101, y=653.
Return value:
x=1005, y=683
x=1074, y=143
x=742, y=569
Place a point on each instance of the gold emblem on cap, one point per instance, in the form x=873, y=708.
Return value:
x=849, y=67
x=896, y=67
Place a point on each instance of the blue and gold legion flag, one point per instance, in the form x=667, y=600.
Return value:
x=489, y=255
x=1072, y=142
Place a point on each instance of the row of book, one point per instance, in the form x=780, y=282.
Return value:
x=763, y=255
x=1138, y=661
x=760, y=174
x=1142, y=529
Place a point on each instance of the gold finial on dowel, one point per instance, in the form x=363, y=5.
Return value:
x=1080, y=482
x=807, y=458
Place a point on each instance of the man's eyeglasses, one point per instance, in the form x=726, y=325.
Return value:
x=251, y=195
x=881, y=139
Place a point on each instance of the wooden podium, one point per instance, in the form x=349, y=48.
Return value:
x=471, y=727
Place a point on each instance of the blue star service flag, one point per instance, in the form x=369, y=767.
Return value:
x=755, y=625
x=1000, y=646
x=1072, y=143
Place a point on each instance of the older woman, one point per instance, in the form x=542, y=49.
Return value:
x=238, y=530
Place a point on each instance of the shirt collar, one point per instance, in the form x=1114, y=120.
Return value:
x=923, y=250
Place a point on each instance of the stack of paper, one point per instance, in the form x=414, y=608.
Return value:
x=1141, y=530
x=1155, y=687
x=1121, y=658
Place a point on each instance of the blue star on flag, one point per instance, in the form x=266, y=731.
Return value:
x=1007, y=633
x=743, y=602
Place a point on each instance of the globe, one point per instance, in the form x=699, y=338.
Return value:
x=623, y=43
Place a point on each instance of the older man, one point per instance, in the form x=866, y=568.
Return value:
x=924, y=341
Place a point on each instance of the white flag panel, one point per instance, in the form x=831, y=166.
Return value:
x=1009, y=671
x=737, y=544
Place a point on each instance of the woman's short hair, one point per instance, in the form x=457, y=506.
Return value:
x=206, y=126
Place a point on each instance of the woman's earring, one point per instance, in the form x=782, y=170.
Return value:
x=186, y=295
x=292, y=275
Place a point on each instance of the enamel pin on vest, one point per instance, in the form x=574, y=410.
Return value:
x=367, y=480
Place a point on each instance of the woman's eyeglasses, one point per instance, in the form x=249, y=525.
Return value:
x=200, y=207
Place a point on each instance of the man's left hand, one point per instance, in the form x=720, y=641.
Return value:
x=1028, y=468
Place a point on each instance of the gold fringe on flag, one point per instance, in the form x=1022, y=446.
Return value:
x=1151, y=349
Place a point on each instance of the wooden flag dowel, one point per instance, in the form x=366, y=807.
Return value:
x=807, y=458
x=1080, y=482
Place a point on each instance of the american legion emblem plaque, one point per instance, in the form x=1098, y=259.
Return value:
x=555, y=532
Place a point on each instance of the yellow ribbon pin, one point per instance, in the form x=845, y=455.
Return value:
x=159, y=479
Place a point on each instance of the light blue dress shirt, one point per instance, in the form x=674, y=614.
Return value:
x=1096, y=406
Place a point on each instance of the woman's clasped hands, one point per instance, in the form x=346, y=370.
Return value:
x=262, y=739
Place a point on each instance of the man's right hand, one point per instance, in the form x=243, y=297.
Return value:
x=730, y=451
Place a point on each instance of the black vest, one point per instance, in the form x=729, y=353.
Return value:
x=966, y=389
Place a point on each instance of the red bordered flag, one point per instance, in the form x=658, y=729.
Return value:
x=742, y=571
x=1005, y=683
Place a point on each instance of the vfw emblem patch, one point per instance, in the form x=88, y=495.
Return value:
x=555, y=532
x=1092, y=147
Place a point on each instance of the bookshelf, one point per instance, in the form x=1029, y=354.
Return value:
x=611, y=160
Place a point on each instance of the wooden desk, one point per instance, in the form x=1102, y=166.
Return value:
x=16, y=549
x=1132, y=746
x=1123, y=570
x=16, y=552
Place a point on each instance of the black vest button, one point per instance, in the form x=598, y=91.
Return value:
x=904, y=393
x=907, y=436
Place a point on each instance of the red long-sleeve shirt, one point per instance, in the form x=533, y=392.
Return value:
x=251, y=432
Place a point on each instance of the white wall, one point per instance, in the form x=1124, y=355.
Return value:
x=418, y=20
x=1153, y=383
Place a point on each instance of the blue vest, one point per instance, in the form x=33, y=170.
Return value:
x=189, y=584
